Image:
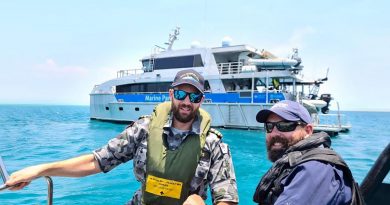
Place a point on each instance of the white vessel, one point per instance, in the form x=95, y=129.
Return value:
x=239, y=81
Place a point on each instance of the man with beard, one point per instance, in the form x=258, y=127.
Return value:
x=175, y=153
x=305, y=169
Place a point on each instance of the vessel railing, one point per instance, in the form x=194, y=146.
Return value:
x=230, y=68
x=206, y=92
x=142, y=92
x=123, y=73
x=332, y=120
x=5, y=176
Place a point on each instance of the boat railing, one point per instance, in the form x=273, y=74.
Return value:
x=141, y=93
x=5, y=176
x=332, y=120
x=206, y=92
x=230, y=68
x=123, y=73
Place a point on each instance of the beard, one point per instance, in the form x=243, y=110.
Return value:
x=180, y=117
x=274, y=153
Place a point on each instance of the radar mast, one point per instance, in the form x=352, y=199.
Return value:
x=173, y=38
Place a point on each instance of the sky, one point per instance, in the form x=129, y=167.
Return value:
x=54, y=52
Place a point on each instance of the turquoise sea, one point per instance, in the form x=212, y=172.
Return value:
x=32, y=134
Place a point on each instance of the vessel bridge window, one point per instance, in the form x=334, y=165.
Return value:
x=177, y=62
x=237, y=84
x=245, y=94
x=144, y=87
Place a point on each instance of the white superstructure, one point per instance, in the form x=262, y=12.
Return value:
x=239, y=81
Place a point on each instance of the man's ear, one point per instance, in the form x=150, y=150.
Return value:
x=309, y=129
x=201, y=101
x=171, y=94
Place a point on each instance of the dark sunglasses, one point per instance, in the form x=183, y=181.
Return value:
x=181, y=95
x=283, y=126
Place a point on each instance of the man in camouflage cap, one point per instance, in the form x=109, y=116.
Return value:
x=175, y=153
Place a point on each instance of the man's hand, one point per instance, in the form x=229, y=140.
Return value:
x=194, y=200
x=18, y=180
x=75, y=167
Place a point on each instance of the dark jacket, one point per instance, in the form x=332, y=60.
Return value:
x=314, y=148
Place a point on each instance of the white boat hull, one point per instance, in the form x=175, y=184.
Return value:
x=233, y=115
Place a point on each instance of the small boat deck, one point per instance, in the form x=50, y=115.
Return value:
x=332, y=124
x=332, y=130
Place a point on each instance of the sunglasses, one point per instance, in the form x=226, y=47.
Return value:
x=181, y=95
x=283, y=126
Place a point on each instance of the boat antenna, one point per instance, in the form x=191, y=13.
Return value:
x=295, y=53
x=326, y=78
x=173, y=38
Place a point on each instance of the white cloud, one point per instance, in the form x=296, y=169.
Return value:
x=50, y=68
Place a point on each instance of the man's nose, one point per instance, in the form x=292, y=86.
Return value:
x=274, y=130
x=187, y=100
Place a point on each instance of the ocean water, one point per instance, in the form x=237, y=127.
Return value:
x=33, y=134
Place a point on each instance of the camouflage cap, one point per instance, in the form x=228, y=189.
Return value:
x=191, y=77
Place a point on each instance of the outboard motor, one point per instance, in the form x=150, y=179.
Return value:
x=327, y=98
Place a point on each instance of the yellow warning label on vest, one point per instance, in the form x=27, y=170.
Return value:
x=163, y=187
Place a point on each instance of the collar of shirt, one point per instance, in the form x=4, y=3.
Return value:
x=174, y=142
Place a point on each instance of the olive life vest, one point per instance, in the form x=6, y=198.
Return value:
x=169, y=172
x=270, y=186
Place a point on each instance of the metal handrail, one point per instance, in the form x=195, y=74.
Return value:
x=230, y=68
x=5, y=177
x=3, y=172
x=123, y=73
x=49, y=190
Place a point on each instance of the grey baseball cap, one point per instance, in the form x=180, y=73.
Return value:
x=191, y=77
x=286, y=109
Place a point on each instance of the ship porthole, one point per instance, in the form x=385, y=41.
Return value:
x=121, y=108
x=107, y=108
x=136, y=109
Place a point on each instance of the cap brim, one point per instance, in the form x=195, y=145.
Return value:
x=262, y=115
